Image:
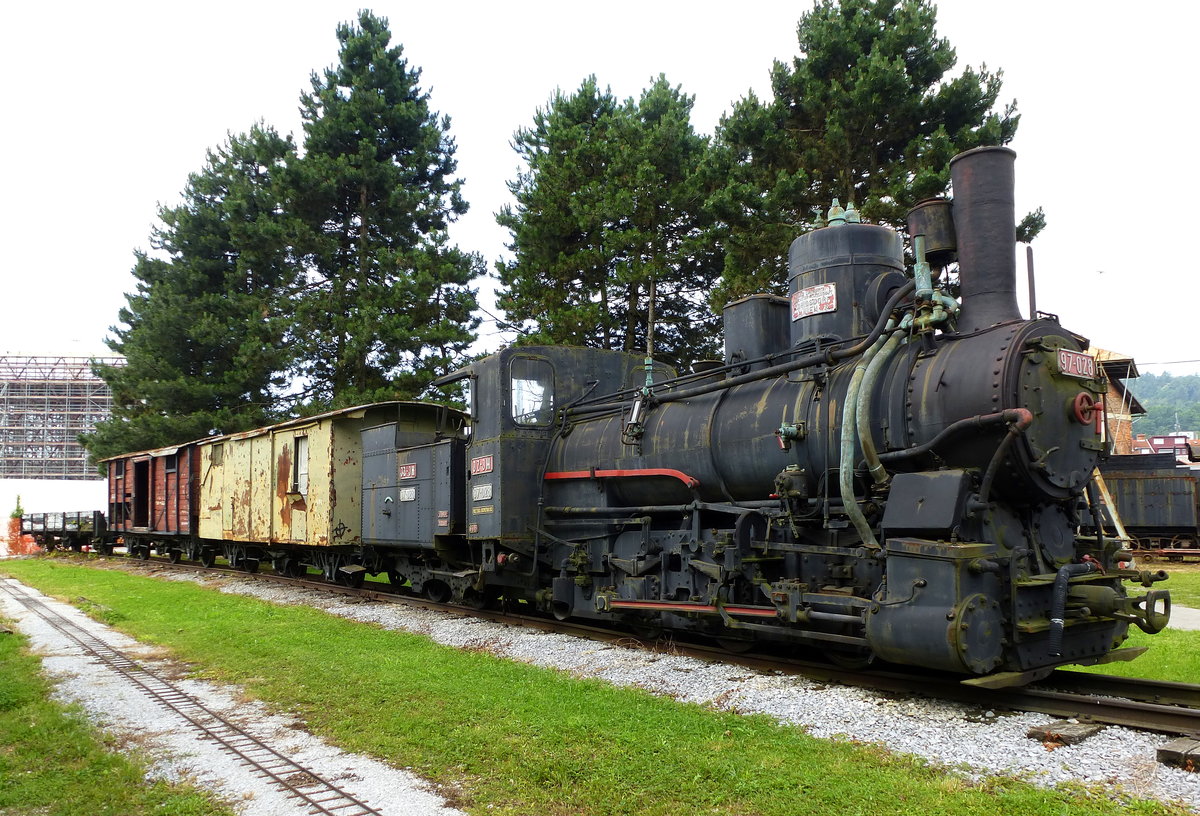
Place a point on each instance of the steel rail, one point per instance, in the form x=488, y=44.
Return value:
x=295, y=780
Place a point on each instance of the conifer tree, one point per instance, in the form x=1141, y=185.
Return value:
x=202, y=334
x=866, y=113
x=386, y=304
x=608, y=231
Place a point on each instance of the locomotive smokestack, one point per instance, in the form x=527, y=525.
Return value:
x=985, y=223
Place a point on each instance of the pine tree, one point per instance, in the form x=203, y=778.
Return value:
x=386, y=304
x=203, y=333
x=865, y=113
x=608, y=232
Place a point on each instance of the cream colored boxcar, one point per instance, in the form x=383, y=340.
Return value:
x=296, y=483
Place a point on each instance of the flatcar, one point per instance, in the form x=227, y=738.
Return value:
x=877, y=469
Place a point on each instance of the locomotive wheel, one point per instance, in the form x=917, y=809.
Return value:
x=735, y=645
x=851, y=660
x=208, y=557
x=473, y=599
x=436, y=591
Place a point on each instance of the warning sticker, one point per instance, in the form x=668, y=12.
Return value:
x=814, y=300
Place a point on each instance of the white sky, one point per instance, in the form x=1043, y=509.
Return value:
x=111, y=105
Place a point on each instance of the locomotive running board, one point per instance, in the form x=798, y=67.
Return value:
x=1010, y=679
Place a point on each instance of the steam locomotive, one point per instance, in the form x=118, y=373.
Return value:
x=875, y=470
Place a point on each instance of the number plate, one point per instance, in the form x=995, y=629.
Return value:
x=1076, y=364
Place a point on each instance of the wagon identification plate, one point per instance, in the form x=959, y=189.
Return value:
x=408, y=471
x=815, y=300
x=1076, y=364
x=481, y=492
x=408, y=494
x=481, y=464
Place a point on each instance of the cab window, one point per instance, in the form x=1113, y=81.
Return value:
x=532, y=391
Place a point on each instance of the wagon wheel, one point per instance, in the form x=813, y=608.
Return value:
x=175, y=555
x=354, y=580
x=143, y=552
x=208, y=557
x=396, y=579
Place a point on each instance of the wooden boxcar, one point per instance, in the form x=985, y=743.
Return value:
x=150, y=497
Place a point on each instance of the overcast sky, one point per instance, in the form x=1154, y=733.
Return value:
x=111, y=105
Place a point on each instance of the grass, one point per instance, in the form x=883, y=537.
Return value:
x=1173, y=655
x=1184, y=582
x=53, y=764
x=507, y=738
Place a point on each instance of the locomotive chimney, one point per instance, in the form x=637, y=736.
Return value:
x=985, y=224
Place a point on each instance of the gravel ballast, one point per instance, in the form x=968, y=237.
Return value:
x=969, y=742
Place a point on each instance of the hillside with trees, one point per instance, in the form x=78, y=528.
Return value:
x=1171, y=403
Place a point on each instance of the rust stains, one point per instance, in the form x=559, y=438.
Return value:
x=283, y=484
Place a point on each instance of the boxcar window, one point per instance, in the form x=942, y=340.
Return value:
x=172, y=463
x=218, y=453
x=300, y=466
x=532, y=392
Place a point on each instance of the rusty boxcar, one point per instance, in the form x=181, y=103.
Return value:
x=150, y=499
x=292, y=492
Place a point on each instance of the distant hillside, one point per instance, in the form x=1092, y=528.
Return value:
x=1170, y=402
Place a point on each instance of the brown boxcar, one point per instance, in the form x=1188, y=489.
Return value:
x=151, y=494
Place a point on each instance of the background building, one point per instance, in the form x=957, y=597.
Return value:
x=45, y=403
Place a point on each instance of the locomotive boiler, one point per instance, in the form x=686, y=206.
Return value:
x=876, y=469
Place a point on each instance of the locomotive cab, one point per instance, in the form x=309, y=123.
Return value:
x=516, y=397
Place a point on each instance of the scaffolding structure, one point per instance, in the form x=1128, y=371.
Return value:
x=45, y=403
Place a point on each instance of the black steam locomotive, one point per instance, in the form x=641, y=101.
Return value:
x=876, y=469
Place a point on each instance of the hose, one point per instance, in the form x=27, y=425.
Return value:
x=863, y=408
x=846, y=460
x=1058, y=605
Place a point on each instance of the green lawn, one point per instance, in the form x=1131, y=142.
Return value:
x=516, y=739
x=52, y=763
x=1184, y=583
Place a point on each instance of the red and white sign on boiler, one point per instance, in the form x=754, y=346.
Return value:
x=815, y=300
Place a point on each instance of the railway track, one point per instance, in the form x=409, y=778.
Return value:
x=1163, y=707
x=309, y=789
